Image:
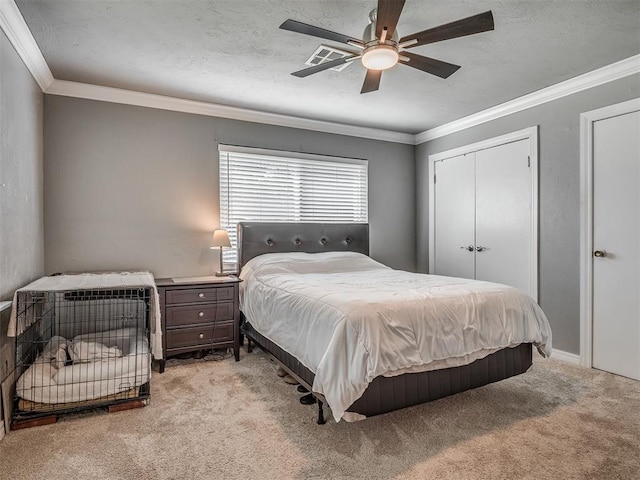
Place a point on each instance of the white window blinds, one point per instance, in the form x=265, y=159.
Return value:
x=273, y=186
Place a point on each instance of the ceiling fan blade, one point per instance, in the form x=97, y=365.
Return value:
x=371, y=81
x=324, y=66
x=429, y=65
x=388, y=14
x=299, y=27
x=482, y=22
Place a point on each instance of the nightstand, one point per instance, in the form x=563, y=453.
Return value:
x=199, y=313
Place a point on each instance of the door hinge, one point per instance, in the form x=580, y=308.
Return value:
x=528, y=161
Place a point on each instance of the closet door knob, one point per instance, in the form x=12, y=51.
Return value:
x=480, y=249
x=600, y=253
x=469, y=248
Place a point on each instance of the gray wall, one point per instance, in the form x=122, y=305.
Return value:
x=21, y=215
x=137, y=188
x=559, y=176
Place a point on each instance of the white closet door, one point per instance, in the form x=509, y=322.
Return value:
x=616, y=233
x=454, y=216
x=504, y=236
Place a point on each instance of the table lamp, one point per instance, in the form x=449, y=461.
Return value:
x=220, y=239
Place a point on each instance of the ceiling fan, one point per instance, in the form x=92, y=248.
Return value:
x=380, y=48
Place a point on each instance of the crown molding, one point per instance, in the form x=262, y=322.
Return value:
x=129, y=97
x=615, y=71
x=18, y=33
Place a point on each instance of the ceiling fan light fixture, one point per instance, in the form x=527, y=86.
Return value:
x=381, y=46
x=380, y=57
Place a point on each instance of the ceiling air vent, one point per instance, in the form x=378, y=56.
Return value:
x=325, y=53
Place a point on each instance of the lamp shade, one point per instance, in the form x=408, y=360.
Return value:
x=220, y=239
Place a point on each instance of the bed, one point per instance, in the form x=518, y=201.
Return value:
x=367, y=339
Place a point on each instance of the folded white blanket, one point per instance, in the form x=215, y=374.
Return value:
x=83, y=352
x=55, y=353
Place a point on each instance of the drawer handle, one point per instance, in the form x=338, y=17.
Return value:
x=201, y=295
x=201, y=335
x=201, y=314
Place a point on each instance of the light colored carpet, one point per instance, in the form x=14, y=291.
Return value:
x=226, y=420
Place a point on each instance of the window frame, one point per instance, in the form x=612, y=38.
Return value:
x=230, y=254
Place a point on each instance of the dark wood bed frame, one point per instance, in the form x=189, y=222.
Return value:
x=384, y=394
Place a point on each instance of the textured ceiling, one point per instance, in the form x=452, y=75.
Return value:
x=233, y=53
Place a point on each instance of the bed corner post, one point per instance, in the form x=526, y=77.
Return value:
x=321, y=420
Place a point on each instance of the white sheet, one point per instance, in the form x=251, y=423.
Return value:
x=350, y=319
x=91, y=281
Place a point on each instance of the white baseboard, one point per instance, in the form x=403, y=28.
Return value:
x=565, y=357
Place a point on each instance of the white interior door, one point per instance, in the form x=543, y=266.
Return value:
x=504, y=237
x=485, y=195
x=616, y=243
x=455, y=217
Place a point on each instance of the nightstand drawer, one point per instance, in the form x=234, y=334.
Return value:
x=199, y=336
x=200, y=295
x=194, y=314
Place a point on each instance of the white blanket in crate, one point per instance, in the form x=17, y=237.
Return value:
x=94, y=281
x=105, y=363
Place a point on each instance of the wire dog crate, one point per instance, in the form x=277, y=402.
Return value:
x=81, y=349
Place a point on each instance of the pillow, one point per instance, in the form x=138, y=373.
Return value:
x=302, y=263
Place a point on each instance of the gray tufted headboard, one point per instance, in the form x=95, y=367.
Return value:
x=257, y=238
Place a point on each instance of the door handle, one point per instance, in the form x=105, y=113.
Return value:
x=480, y=249
x=600, y=253
x=469, y=248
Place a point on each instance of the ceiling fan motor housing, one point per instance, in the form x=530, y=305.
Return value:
x=378, y=55
x=369, y=35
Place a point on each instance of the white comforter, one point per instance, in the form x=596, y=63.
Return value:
x=350, y=319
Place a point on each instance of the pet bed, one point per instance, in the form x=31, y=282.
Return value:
x=88, y=367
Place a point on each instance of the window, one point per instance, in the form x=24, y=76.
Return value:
x=273, y=186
